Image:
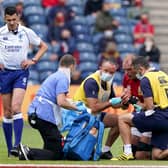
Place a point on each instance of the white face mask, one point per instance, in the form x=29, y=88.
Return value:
x=106, y=76
x=67, y=72
x=139, y=76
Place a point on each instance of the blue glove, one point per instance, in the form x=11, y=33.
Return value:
x=81, y=107
x=137, y=107
x=115, y=101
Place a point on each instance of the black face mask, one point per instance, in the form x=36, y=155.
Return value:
x=15, y=31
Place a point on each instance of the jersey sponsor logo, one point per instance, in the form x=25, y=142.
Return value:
x=5, y=38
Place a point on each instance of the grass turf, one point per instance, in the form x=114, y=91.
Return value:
x=32, y=138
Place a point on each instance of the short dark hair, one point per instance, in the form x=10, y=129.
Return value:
x=110, y=60
x=141, y=61
x=10, y=10
x=67, y=60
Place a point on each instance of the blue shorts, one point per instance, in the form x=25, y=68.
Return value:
x=157, y=123
x=10, y=79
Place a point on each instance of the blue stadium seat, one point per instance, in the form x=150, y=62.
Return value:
x=123, y=38
x=34, y=75
x=122, y=20
x=77, y=9
x=88, y=67
x=85, y=74
x=46, y=56
x=80, y=29
x=33, y=82
x=87, y=57
x=39, y=28
x=114, y=1
x=34, y=10
x=46, y=66
x=123, y=29
x=79, y=20
x=85, y=47
x=6, y=3
x=32, y=3
x=126, y=48
x=74, y=2
x=118, y=12
x=44, y=75
x=83, y=38
x=36, y=19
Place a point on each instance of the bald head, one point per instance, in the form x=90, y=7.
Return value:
x=127, y=65
x=127, y=62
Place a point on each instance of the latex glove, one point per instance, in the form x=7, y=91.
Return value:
x=137, y=108
x=115, y=101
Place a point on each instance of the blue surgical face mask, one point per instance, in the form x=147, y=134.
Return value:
x=139, y=76
x=106, y=76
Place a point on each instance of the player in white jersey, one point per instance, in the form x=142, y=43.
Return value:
x=15, y=40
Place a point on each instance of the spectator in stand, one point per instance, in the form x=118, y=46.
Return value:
x=104, y=21
x=49, y=3
x=19, y=8
x=60, y=7
x=142, y=30
x=111, y=52
x=151, y=51
x=67, y=42
x=136, y=10
x=56, y=28
x=93, y=6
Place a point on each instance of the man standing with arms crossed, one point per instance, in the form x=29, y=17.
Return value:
x=15, y=40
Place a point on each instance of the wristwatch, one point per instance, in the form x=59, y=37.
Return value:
x=34, y=60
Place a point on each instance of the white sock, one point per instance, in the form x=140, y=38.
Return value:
x=127, y=149
x=106, y=148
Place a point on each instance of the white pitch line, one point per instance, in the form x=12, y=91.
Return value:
x=76, y=166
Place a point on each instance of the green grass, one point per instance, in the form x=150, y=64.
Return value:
x=31, y=138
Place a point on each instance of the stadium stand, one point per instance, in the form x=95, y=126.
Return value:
x=87, y=43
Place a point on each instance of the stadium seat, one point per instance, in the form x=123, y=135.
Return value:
x=87, y=57
x=123, y=29
x=33, y=82
x=46, y=56
x=32, y=3
x=6, y=3
x=43, y=66
x=74, y=2
x=88, y=67
x=123, y=38
x=44, y=75
x=114, y=1
x=39, y=28
x=118, y=12
x=85, y=47
x=79, y=20
x=80, y=29
x=34, y=75
x=36, y=19
x=83, y=38
x=34, y=10
x=126, y=48
x=122, y=20
x=77, y=9
x=85, y=74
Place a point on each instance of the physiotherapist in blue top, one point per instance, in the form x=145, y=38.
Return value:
x=44, y=113
x=15, y=40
